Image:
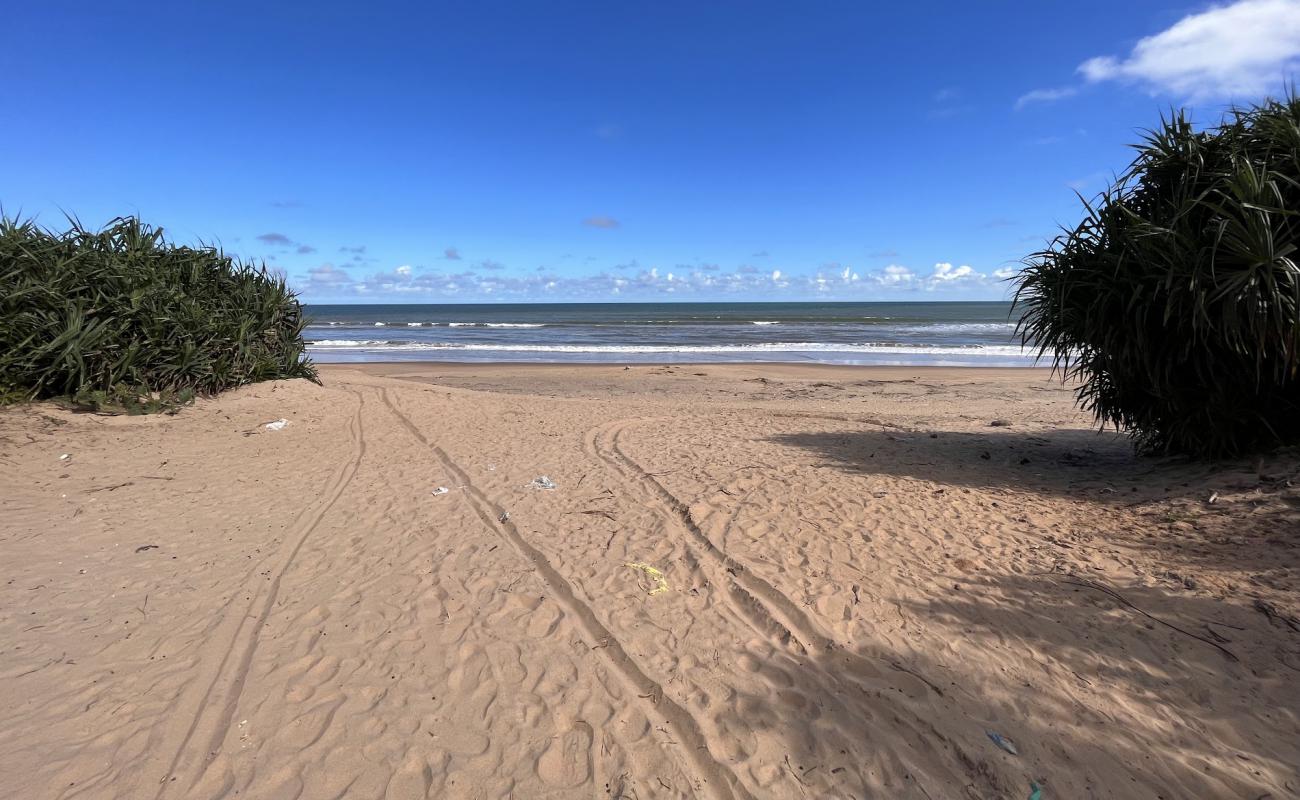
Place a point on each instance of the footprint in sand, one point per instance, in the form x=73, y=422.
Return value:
x=566, y=764
x=506, y=664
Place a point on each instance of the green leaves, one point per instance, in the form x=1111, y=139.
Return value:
x=121, y=315
x=1176, y=301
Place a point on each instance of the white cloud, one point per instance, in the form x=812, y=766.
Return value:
x=894, y=275
x=833, y=281
x=943, y=276
x=946, y=273
x=1250, y=47
x=1045, y=96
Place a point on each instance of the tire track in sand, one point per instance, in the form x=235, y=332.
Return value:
x=751, y=592
x=717, y=779
x=759, y=601
x=210, y=701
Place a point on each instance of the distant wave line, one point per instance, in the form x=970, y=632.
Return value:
x=430, y=324
x=933, y=327
x=814, y=347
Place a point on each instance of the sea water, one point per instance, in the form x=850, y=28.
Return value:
x=940, y=334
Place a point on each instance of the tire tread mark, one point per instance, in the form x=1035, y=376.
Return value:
x=749, y=588
x=743, y=605
x=718, y=779
x=241, y=644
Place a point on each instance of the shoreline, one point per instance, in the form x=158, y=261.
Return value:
x=792, y=368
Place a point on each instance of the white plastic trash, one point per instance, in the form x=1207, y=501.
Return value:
x=440, y=490
x=542, y=482
x=277, y=425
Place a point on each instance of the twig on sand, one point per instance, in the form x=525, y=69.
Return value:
x=597, y=512
x=1269, y=610
x=792, y=770
x=1215, y=634
x=110, y=488
x=918, y=676
x=52, y=661
x=1119, y=597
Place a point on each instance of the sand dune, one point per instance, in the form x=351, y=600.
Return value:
x=749, y=582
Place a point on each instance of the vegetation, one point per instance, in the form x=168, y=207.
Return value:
x=1176, y=301
x=122, y=319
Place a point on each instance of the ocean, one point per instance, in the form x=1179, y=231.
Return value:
x=940, y=334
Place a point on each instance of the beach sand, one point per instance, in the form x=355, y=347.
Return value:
x=750, y=581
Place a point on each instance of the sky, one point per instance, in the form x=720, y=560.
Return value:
x=505, y=152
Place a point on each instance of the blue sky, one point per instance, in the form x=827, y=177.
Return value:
x=559, y=151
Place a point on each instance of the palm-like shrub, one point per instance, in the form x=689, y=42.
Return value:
x=120, y=316
x=1176, y=301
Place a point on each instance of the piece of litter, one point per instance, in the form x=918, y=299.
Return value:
x=661, y=582
x=1003, y=742
x=65, y=456
x=440, y=490
x=145, y=547
x=542, y=482
x=277, y=425
x=1213, y=498
x=505, y=516
x=1035, y=791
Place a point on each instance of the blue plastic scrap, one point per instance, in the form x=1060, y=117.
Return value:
x=1003, y=742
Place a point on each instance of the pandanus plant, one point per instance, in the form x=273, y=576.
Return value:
x=120, y=316
x=1176, y=301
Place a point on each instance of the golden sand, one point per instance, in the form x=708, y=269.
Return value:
x=748, y=582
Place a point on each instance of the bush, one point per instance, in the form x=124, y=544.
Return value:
x=121, y=318
x=1176, y=301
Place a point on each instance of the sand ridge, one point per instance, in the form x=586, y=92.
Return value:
x=863, y=579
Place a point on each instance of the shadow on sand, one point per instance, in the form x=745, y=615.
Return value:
x=1101, y=466
x=1111, y=705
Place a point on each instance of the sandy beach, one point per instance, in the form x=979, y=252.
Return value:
x=749, y=581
